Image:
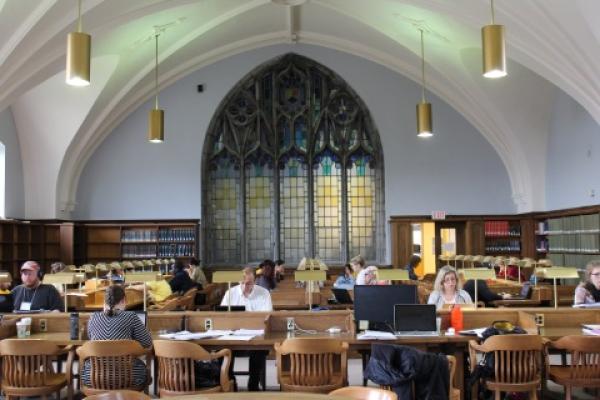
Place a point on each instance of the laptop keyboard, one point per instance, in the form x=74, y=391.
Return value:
x=416, y=333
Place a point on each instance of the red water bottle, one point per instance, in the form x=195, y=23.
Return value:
x=456, y=318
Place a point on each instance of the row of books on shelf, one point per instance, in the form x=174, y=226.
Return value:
x=161, y=235
x=175, y=250
x=589, y=223
x=139, y=235
x=508, y=245
x=176, y=235
x=138, y=250
x=574, y=243
x=571, y=260
x=501, y=228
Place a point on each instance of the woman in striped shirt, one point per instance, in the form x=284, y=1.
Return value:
x=116, y=324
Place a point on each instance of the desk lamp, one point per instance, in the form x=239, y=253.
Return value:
x=477, y=274
x=227, y=277
x=310, y=276
x=62, y=278
x=141, y=277
x=392, y=274
x=555, y=273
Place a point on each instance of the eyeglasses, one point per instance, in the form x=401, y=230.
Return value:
x=450, y=279
x=595, y=274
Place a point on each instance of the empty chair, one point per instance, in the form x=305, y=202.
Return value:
x=517, y=363
x=179, y=372
x=584, y=370
x=311, y=365
x=364, y=393
x=27, y=368
x=111, y=365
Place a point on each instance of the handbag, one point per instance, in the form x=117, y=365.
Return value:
x=207, y=373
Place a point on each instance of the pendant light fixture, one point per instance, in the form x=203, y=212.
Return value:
x=156, y=118
x=79, y=47
x=494, y=52
x=424, y=125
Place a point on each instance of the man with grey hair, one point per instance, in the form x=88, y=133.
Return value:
x=32, y=294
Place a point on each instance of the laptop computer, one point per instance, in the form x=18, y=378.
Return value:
x=341, y=296
x=525, y=294
x=415, y=320
x=143, y=316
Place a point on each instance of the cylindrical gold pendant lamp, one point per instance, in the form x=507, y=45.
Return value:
x=424, y=124
x=494, y=52
x=156, y=124
x=79, y=48
x=156, y=117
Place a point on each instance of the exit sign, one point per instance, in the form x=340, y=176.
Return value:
x=438, y=215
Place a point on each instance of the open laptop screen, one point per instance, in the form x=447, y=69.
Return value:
x=414, y=317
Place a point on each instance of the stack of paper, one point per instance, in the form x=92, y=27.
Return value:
x=186, y=335
x=591, y=329
x=376, y=335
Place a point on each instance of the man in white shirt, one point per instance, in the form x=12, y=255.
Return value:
x=254, y=298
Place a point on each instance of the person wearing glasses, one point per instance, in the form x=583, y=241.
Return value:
x=588, y=292
x=447, y=289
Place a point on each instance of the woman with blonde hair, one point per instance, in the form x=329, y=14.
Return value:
x=588, y=292
x=447, y=289
x=358, y=266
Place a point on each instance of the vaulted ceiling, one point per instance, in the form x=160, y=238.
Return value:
x=550, y=44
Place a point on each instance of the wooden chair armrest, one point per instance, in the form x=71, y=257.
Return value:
x=66, y=349
x=224, y=375
x=69, y=366
x=473, y=348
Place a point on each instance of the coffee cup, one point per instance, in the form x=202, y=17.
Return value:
x=21, y=330
x=27, y=322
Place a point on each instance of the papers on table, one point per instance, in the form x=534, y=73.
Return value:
x=376, y=335
x=591, y=329
x=240, y=334
x=588, y=305
x=473, y=332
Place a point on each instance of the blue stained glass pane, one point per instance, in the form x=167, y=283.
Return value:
x=300, y=133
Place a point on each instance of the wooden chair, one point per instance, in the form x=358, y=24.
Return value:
x=120, y=395
x=364, y=393
x=187, y=300
x=27, y=368
x=176, y=374
x=517, y=363
x=312, y=365
x=111, y=365
x=584, y=370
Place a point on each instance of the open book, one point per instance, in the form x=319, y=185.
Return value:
x=376, y=335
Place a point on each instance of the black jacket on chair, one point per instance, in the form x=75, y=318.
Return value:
x=399, y=366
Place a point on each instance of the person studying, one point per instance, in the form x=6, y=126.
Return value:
x=32, y=294
x=447, y=289
x=588, y=292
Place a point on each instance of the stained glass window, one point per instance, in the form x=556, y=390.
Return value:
x=292, y=167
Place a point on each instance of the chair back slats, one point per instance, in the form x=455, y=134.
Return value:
x=311, y=369
x=111, y=372
x=511, y=366
x=176, y=374
x=585, y=366
x=25, y=371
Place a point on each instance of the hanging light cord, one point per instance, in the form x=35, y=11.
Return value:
x=493, y=14
x=422, y=67
x=79, y=16
x=156, y=71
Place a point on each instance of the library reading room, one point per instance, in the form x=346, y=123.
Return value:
x=299, y=199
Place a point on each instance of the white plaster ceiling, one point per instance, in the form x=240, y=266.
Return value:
x=547, y=41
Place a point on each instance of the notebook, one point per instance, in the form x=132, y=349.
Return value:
x=342, y=296
x=415, y=320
